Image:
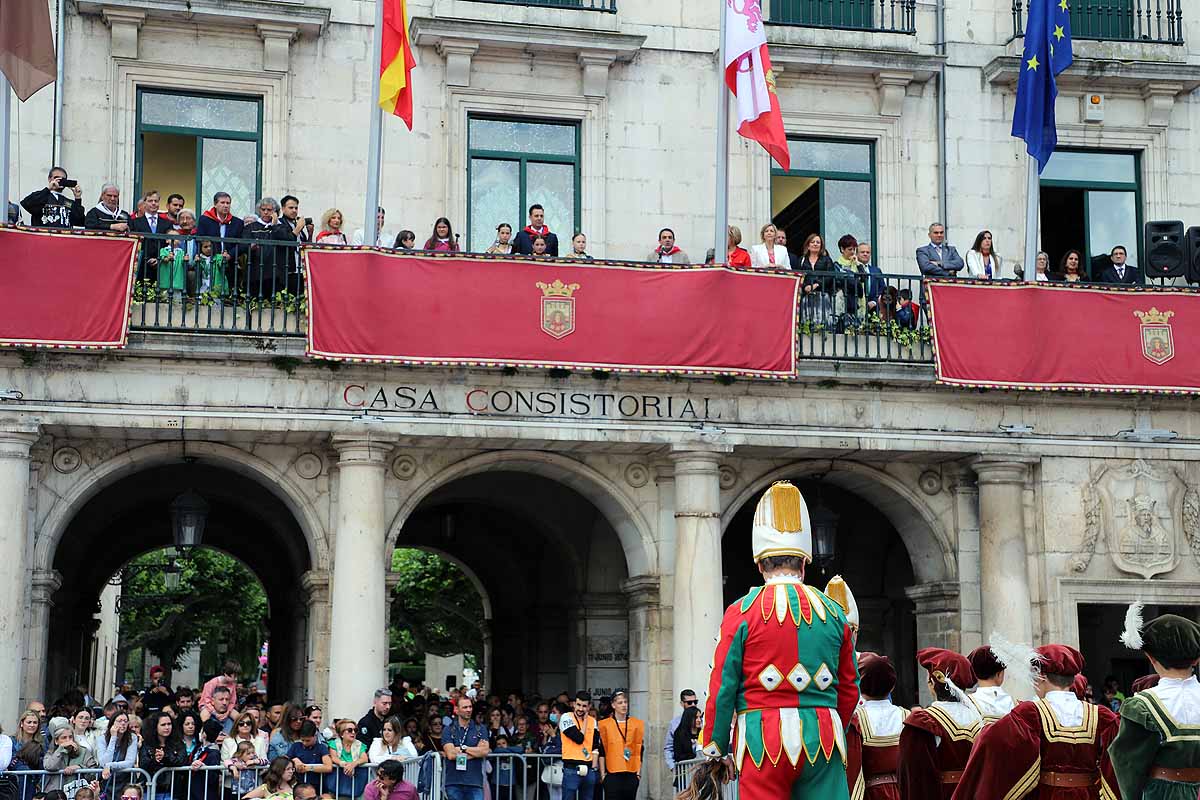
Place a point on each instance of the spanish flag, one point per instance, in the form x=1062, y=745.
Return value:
x=396, y=62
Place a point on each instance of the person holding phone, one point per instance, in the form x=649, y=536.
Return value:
x=51, y=208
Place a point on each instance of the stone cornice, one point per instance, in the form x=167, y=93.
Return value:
x=538, y=39
x=308, y=19
x=814, y=60
x=1103, y=74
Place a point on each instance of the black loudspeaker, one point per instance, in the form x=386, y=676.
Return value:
x=1193, y=254
x=1166, y=255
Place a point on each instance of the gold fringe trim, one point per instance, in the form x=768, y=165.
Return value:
x=785, y=507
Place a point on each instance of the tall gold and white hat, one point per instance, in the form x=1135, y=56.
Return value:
x=781, y=524
x=839, y=592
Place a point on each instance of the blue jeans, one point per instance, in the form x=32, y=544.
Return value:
x=459, y=792
x=575, y=787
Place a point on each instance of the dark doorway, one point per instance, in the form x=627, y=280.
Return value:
x=1062, y=223
x=1100, y=627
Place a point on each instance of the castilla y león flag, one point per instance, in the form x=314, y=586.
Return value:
x=26, y=46
x=396, y=62
x=748, y=75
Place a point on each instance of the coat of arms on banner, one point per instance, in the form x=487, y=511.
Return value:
x=1157, y=344
x=1141, y=502
x=558, y=307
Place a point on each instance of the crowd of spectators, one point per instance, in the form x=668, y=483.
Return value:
x=256, y=253
x=271, y=748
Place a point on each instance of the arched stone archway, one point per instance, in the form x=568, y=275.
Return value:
x=929, y=545
x=622, y=513
x=102, y=516
x=83, y=485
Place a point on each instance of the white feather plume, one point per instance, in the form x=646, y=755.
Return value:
x=1131, y=637
x=1019, y=662
x=957, y=693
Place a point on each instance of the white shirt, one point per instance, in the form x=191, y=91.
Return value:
x=886, y=719
x=380, y=241
x=1066, y=707
x=1181, y=698
x=380, y=752
x=993, y=701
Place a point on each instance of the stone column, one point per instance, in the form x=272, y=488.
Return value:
x=1003, y=564
x=649, y=677
x=15, y=444
x=698, y=600
x=43, y=586
x=937, y=613
x=316, y=672
x=358, y=613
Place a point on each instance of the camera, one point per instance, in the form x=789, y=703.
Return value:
x=308, y=220
x=68, y=183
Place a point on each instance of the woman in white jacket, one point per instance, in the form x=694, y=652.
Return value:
x=982, y=261
x=391, y=743
x=768, y=254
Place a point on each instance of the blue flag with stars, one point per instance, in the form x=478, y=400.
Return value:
x=1047, y=53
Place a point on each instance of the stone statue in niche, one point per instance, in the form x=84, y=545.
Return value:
x=1136, y=506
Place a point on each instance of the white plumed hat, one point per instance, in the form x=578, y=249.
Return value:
x=781, y=524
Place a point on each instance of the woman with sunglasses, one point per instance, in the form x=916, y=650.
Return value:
x=244, y=730
x=287, y=732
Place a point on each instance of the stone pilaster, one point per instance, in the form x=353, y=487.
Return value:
x=15, y=445
x=1003, y=564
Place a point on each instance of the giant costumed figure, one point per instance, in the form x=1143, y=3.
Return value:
x=1156, y=754
x=1052, y=748
x=784, y=680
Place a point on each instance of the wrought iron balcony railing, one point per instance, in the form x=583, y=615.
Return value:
x=1159, y=21
x=609, y=6
x=896, y=16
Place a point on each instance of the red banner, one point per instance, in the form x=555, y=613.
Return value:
x=1056, y=336
x=373, y=306
x=60, y=289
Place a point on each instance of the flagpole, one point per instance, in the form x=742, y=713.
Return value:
x=721, y=223
x=370, y=230
x=1032, y=200
x=5, y=124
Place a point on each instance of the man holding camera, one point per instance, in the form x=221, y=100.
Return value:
x=51, y=208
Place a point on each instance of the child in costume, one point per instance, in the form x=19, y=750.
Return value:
x=1156, y=754
x=936, y=741
x=210, y=271
x=873, y=740
x=1052, y=748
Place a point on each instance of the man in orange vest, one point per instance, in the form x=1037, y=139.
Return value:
x=622, y=745
x=580, y=749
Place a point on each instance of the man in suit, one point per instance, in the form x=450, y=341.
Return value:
x=1118, y=270
x=150, y=222
x=869, y=286
x=938, y=259
x=219, y=222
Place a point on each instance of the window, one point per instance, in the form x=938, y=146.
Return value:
x=197, y=145
x=830, y=190
x=512, y=164
x=1091, y=201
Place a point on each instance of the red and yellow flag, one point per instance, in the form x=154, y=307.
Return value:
x=396, y=62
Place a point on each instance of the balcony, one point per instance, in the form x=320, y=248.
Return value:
x=609, y=6
x=1150, y=21
x=890, y=16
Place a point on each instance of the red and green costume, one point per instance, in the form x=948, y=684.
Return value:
x=784, y=685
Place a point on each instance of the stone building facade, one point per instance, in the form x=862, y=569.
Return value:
x=605, y=537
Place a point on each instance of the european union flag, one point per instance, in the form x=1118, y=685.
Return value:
x=1047, y=53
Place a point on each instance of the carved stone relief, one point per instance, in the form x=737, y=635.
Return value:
x=1139, y=508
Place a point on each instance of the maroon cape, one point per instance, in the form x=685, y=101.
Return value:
x=924, y=762
x=1012, y=754
x=870, y=756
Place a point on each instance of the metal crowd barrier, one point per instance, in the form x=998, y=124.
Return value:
x=218, y=783
x=30, y=781
x=682, y=778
